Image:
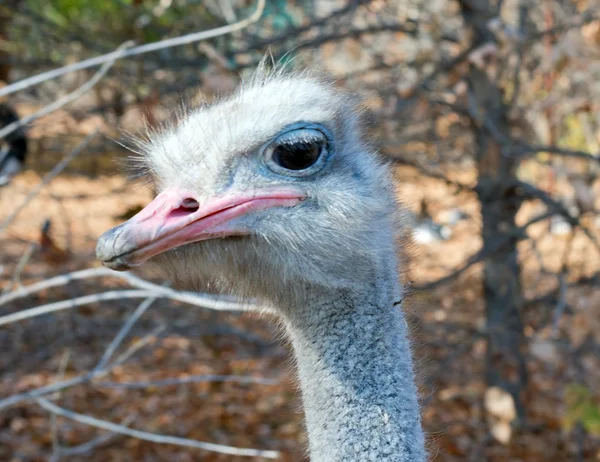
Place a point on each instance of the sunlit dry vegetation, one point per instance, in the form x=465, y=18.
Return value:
x=489, y=112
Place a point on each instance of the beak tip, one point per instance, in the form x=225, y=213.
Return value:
x=104, y=246
x=110, y=251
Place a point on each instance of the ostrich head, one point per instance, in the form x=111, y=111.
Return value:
x=272, y=194
x=261, y=194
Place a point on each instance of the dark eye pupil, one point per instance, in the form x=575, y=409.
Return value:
x=297, y=156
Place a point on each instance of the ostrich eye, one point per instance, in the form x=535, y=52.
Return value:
x=297, y=156
x=297, y=152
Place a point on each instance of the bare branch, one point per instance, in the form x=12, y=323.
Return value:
x=188, y=379
x=140, y=310
x=85, y=448
x=461, y=187
x=91, y=376
x=509, y=145
x=223, y=303
x=559, y=208
x=484, y=252
x=15, y=281
x=142, y=49
x=134, y=348
x=522, y=148
x=81, y=379
x=5, y=131
x=585, y=17
x=64, y=361
x=154, y=437
x=73, y=303
x=297, y=30
x=53, y=387
x=184, y=297
x=47, y=179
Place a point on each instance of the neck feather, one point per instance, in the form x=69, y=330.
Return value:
x=355, y=370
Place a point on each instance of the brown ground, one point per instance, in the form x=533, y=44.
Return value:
x=447, y=326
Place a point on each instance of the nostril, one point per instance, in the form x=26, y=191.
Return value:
x=190, y=204
x=186, y=207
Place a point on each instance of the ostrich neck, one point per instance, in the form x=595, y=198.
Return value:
x=356, y=376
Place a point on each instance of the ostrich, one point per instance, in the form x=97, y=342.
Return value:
x=272, y=194
x=13, y=149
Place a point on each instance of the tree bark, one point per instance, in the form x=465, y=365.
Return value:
x=499, y=202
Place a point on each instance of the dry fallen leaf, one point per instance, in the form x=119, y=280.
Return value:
x=501, y=412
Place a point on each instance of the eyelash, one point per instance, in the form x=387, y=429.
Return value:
x=295, y=139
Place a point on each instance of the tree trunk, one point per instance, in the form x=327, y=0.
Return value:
x=502, y=289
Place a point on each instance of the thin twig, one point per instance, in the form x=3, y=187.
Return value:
x=513, y=147
x=142, y=49
x=48, y=178
x=85, y=448
x=16, y=279
x=53, y=387
x=134, y=348
x=75, y=302
x=184, y=297
x=81, y=379
x=64, y=361
x=294, y=31
x=521, y=148
x=154, y=437
x=140, y=310
x=531, y=191
x=484, y=252
x=430, y=173
x=186, y=380
x=221, y=303
x=7, y=130
x=585, y=17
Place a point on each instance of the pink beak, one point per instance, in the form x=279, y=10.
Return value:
x=175, y=218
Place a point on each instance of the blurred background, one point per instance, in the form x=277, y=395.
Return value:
x=489, y=112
